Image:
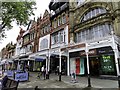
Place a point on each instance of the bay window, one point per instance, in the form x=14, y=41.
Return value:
x=94, y=33
x=58, y=37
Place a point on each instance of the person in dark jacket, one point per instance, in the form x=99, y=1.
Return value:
x=4, y=80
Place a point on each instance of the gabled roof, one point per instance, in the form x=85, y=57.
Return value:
x=45, y=13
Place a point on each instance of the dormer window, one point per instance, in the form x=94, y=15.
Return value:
x=93, y=13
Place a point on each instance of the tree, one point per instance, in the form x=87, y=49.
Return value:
x=15, y=11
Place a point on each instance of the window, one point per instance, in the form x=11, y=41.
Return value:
x=95, y=32
x=63, y=19
x=92, y=13
x=26, y=39
x=55, y=23
x=32, y=36
x=44, y=44
x=42, y=31
x=61, y=36
x=58, y=21
x=58, y=37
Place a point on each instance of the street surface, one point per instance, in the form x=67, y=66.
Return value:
x=54, y=84
x=66, y=83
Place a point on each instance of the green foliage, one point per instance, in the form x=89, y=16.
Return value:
x=15, y=11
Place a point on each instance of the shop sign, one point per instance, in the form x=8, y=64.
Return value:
x=21, y=76
x=91, y=52
x=77, y=46
x=104, y=50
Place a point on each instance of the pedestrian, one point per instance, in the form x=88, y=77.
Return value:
x=73, y=76
x=4, y=80
x=43, y=71
x=57, y=70
x=38, y=72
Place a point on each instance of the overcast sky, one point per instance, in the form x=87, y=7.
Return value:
x=12, y=34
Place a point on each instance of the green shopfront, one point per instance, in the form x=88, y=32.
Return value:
x=107, y=61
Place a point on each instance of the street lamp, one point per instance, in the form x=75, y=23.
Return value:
x=88, y=70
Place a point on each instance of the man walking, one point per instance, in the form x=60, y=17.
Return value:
x=43, y=71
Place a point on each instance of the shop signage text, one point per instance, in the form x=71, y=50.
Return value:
x=21, y=76
x=105, y=50
x=91, y=52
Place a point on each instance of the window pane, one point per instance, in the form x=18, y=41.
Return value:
x=93, y=13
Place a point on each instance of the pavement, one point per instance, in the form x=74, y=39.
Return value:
x=53, y=82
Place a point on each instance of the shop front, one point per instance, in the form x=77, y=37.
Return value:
x=54, y=64
x=78, y=61
x=38, y=61
x=101, y=62
x=107, y=61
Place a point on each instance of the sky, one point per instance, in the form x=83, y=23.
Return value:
x=13, y=33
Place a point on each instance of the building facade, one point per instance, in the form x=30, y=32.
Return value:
x=43, y=41
x=62, y=38
x=96, y=25
x=59, y=35
x=7, y=56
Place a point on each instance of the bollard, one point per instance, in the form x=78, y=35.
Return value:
x=89, y=82
x=59, y=76
x=118, y=81
x=47, y=76
x=28, y=75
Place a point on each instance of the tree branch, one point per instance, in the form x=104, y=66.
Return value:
x=3, y=25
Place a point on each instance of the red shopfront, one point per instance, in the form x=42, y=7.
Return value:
x=78, y=61
x=77, y=65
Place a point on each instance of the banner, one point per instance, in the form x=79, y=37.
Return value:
x=9, y=73
x=21, y=76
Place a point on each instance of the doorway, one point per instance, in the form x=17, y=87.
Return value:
x=94, y=65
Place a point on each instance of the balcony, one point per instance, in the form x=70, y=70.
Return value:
x=59, y=10
x=55, y=5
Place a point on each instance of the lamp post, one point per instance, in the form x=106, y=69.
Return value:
x=48, y=62
x=60, y=64
x=115, y=49
x=88, y=70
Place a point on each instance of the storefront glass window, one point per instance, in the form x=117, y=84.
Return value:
x=107, y=64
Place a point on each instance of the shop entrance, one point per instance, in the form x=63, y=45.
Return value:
x=54, y=64
x=94, y=65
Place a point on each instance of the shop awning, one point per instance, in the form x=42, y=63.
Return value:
x=39, y=59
